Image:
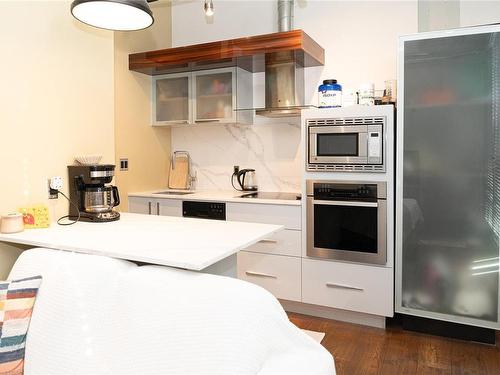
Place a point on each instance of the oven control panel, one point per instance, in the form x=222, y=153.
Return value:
x=344, y=191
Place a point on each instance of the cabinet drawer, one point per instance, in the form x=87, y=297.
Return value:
x=285, y=242
x=279, y=274
x=149, y=206
x=348, y=286
x=289, y=216
x=138, y=205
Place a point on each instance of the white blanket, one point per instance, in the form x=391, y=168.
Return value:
x=97, y=315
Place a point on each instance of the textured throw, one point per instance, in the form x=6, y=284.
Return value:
x=17, y=298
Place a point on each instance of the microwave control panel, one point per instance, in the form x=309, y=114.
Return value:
x=375, y=144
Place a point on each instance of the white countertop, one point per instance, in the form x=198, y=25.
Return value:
x=215, y=195
x=193, y=244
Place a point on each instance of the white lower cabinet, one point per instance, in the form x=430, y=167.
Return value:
x=149, y=206
x=289, y=216
x=353, y=287
x=285, y=242
x=279, y=274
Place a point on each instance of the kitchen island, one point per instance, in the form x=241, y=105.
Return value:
x=193, y=244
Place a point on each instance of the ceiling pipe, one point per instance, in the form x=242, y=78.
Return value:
x=285, y=15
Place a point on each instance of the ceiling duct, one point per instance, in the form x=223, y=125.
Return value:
x=284, y=75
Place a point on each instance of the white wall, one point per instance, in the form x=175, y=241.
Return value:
x=360, y=42
x=479, y=12
x=146, y=147
x=56, y=100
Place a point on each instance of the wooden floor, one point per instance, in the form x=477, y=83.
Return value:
x=364, y=350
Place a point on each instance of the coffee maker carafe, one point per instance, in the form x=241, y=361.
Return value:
x=88, y=191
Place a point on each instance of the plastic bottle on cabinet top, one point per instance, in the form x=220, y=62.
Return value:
x=330, y=94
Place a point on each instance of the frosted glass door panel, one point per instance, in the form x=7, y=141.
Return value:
x=214, y=96
x=451, y=171
x=172, y=100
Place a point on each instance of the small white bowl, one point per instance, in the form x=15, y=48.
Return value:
x=88, y=159
x=11, y=223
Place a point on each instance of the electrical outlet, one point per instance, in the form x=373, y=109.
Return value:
x=55, y=184
x=124, y=164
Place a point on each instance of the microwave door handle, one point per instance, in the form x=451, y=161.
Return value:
x=346, y=203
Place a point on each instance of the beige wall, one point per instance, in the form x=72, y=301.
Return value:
x=56, y=101
x=147, y=148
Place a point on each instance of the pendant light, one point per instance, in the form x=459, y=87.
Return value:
x=119, y=15
x=209, y=8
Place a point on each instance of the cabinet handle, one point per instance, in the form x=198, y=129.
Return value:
x=158, y=208
x=268, y=241
x=251, y=273
x=342, y=286
x=149, y=207
x=207, y=120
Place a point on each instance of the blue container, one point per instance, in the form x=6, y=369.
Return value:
x=330, y=94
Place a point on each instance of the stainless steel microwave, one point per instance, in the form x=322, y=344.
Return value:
x=346, y=144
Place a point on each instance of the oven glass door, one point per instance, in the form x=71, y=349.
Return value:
x=351, y=230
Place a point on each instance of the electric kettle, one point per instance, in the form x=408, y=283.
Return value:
x=246, y=179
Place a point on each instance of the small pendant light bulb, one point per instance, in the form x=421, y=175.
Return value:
x=209, y=8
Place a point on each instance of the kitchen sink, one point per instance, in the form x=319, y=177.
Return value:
x=169, y=192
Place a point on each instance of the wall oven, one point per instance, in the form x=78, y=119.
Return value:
x=347, y=220
x=346, y=144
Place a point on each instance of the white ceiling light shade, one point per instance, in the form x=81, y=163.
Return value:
x=119, y=15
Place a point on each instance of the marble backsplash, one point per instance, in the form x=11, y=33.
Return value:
x=273, y=150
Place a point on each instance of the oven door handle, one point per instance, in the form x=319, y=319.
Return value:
x=345, y=203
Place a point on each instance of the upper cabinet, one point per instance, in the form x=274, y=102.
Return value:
x=207, y=96
x=213, y=82
x=214, y=96
x=171, y=99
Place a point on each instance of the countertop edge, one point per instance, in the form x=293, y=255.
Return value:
x=206, y=197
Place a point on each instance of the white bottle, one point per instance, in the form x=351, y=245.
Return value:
x=367, y=94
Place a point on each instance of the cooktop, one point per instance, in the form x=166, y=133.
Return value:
x=270, y=195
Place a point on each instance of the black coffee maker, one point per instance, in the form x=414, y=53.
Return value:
x=88, y=191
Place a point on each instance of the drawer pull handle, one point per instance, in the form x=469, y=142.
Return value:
x=251, y=273
x=158, y=208
x=149, y=207
x=268, y=241
x=207, y=120
x=342, y=286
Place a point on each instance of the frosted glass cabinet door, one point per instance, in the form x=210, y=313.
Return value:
x=171, y=104
x=214, y=96
x=449, y=211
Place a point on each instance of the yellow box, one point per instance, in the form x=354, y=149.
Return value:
x=35, y=216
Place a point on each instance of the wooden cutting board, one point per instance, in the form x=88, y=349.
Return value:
x=179, y=172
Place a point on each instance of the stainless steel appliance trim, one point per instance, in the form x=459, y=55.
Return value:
x=381, y=185
x=361, y=158
x=314, y=129
x=362, y=126
x=346, y=203
x=352, y=256
x=97, y=174
x=343, y=286
x=252, y=273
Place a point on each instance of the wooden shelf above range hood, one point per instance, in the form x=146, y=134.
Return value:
x=247, y=53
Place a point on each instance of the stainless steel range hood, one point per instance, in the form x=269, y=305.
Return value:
x=284, y=74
